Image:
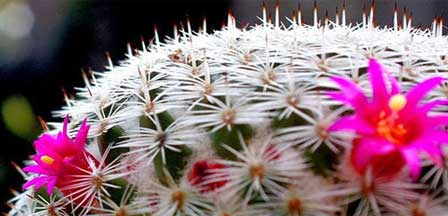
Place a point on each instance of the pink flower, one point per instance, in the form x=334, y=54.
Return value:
x=58, y=158
x=390, y=123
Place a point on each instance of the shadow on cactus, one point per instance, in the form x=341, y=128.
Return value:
x=323, y=119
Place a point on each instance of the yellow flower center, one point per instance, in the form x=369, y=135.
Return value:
x=392, y=131
x=388, y=125
x=397, y=102
x=47, y=159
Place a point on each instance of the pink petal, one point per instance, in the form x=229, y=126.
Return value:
x=435, y=153
x=45, y=143
x=65, y=146
x=380, y=94
x=430, y=143
x=435, y=137
x=350, y=93
x=418, y=92
x=38, y=182
x=63, y=139
x=64, y=127
x=81, y=137
x=435, y=121
x=338, y=96
x=394, y=84
x=369, y=147
x=353, y=123
x=35, y=169
x=429, y=106
x=413, y=161
x=50, y=185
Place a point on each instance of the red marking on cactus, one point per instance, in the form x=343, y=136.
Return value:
x=200, y=174
x=272, y=153
x=391, y=125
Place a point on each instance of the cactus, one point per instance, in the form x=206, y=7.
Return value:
x=274, y=119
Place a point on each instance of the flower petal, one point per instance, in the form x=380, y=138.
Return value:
x=353, y=123
x=380, y=94
x=37, y=182
x=365, y=149
x=64, y=127
x=35, y=169
x=350, y=93
x=413, y=161
x=435, y=153
x=418, y=92
x=395, y=88
x=435, y=121
x=432, y=137
x=387, y=165
x=44, y=143
x=81, y=137
x=50, y=186
x=430, y=105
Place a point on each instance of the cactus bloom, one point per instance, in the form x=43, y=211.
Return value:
x=58, y=158
x=391, y=124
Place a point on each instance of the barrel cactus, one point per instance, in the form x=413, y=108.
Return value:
x=330, y=118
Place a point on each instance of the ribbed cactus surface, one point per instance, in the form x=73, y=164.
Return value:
x=272, y=119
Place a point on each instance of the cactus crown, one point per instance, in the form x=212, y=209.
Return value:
x=273, y=119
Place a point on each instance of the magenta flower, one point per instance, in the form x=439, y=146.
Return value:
x=58, y=158
x=391, y=123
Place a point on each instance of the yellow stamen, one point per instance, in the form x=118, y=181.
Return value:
x=394, y=132
x=397, y=102
x=47, y=159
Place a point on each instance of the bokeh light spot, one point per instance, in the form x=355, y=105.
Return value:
x=18, y=117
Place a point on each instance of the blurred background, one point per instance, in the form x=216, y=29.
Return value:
x=44, y=44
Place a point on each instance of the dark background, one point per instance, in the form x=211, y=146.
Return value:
x=45, y=48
